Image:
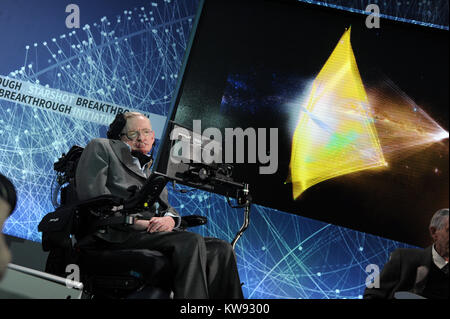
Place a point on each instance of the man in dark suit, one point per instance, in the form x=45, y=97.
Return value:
x=203, y=267
x=423, y=272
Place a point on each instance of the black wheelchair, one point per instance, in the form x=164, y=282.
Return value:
x=104, y=272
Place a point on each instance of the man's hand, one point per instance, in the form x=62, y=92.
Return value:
x=140, y=224
x=159, y=224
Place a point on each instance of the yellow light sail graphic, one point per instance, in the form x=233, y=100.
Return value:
x=403, y=127
x=335, y=134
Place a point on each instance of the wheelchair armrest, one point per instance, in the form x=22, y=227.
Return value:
x=192, y=221
x=148, y=194
x=103, y=203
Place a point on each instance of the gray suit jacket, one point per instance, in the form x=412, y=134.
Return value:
x=107, y=167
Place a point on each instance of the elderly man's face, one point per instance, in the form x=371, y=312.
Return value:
x=440, y=239
x=139, y=134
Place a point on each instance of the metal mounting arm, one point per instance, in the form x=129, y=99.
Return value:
x=244, y=199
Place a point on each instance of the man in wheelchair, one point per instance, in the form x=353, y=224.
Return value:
x=118, y=168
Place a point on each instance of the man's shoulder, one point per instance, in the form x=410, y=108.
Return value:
x=412, y=250
x=104, y=142
x=98, y=140
x=412, y=253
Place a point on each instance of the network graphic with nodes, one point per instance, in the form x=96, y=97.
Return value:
x=132, y=60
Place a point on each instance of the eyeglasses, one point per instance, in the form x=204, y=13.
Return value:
x=132, y=135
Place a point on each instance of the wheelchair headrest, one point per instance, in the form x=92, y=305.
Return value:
x=67, y=163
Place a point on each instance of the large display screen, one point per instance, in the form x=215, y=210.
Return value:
x=323, y=116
